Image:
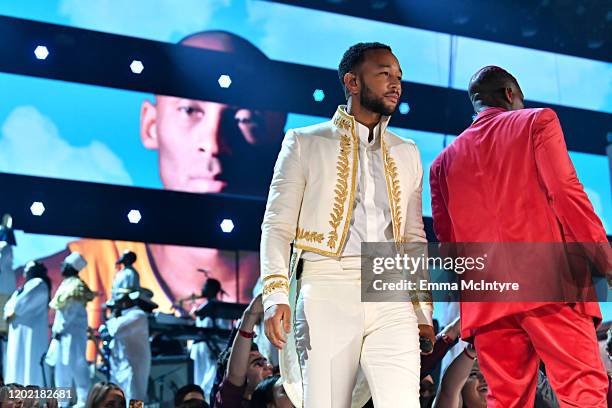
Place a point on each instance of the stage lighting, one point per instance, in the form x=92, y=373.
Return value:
x=227, y=225
x=404, y=108
x=136, y=66
x=41, y=52
x=318, y=95
x=134, y=216
x=37, y=208
x=225, y=81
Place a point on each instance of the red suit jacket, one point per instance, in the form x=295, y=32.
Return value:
x=509, y=178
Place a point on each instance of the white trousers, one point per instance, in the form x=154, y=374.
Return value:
x=76, y=369
x=337, y=334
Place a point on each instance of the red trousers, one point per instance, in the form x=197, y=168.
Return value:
x=509, y=352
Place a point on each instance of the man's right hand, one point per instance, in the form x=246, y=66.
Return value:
x=277, y=324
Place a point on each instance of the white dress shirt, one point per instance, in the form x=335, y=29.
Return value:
x=371, y=220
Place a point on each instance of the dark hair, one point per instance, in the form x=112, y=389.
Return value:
x=193, y=403
x=68, y=270
x=264, y=393
x=127, y=258
x=38, y=269
x=488, y=85
x=183, y=391
x=354, y=56
x=211, y=288
x=224, y=357
x=98, y=392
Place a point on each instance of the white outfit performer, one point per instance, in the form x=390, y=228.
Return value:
x=205, y=359
x=130, y=359
x=332, y=190
x=28, y=317
x=130, y=352
x=68, y=346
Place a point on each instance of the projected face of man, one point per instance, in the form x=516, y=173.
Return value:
x=208, y=147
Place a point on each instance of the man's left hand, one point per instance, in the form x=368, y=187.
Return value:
x=427, y=332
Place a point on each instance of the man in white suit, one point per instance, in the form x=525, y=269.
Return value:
x=336, y=185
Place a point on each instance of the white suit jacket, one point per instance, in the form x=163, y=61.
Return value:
x=310, y=206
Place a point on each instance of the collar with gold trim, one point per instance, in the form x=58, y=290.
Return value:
x=345, y=121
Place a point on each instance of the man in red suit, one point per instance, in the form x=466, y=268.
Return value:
x=509, y=178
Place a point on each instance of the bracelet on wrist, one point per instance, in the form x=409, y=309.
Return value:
x=247, y=334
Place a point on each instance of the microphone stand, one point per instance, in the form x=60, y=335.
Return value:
x=42, y=368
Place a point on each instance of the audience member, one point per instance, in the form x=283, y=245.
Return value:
x=270, y=394
x=246, y=368
x=187, y=393
x=7, y=397
x=545, y=396
x=462, y=384
x=427, y=392
x=105, y=395
x=193, y=403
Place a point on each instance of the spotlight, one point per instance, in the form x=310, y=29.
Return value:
x=224, y=81
x=41, y=52
x=37, y=208
x=136, y=66
x=318, y=95
x=134, y=216
x=404, y=108
x=227, y=225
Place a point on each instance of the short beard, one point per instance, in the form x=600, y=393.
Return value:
x=373, y=104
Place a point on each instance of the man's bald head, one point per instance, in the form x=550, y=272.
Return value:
x=493, y=86
x=224, y=42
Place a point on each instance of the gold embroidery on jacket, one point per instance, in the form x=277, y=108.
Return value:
x=394, y=191
x=274, y=276
x=342, y=122
x=421, y=297
x=310, y=236
x=341, y=189
x=275, y=286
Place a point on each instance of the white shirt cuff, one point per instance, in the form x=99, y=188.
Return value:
x=278, y=298
x=424, y=314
